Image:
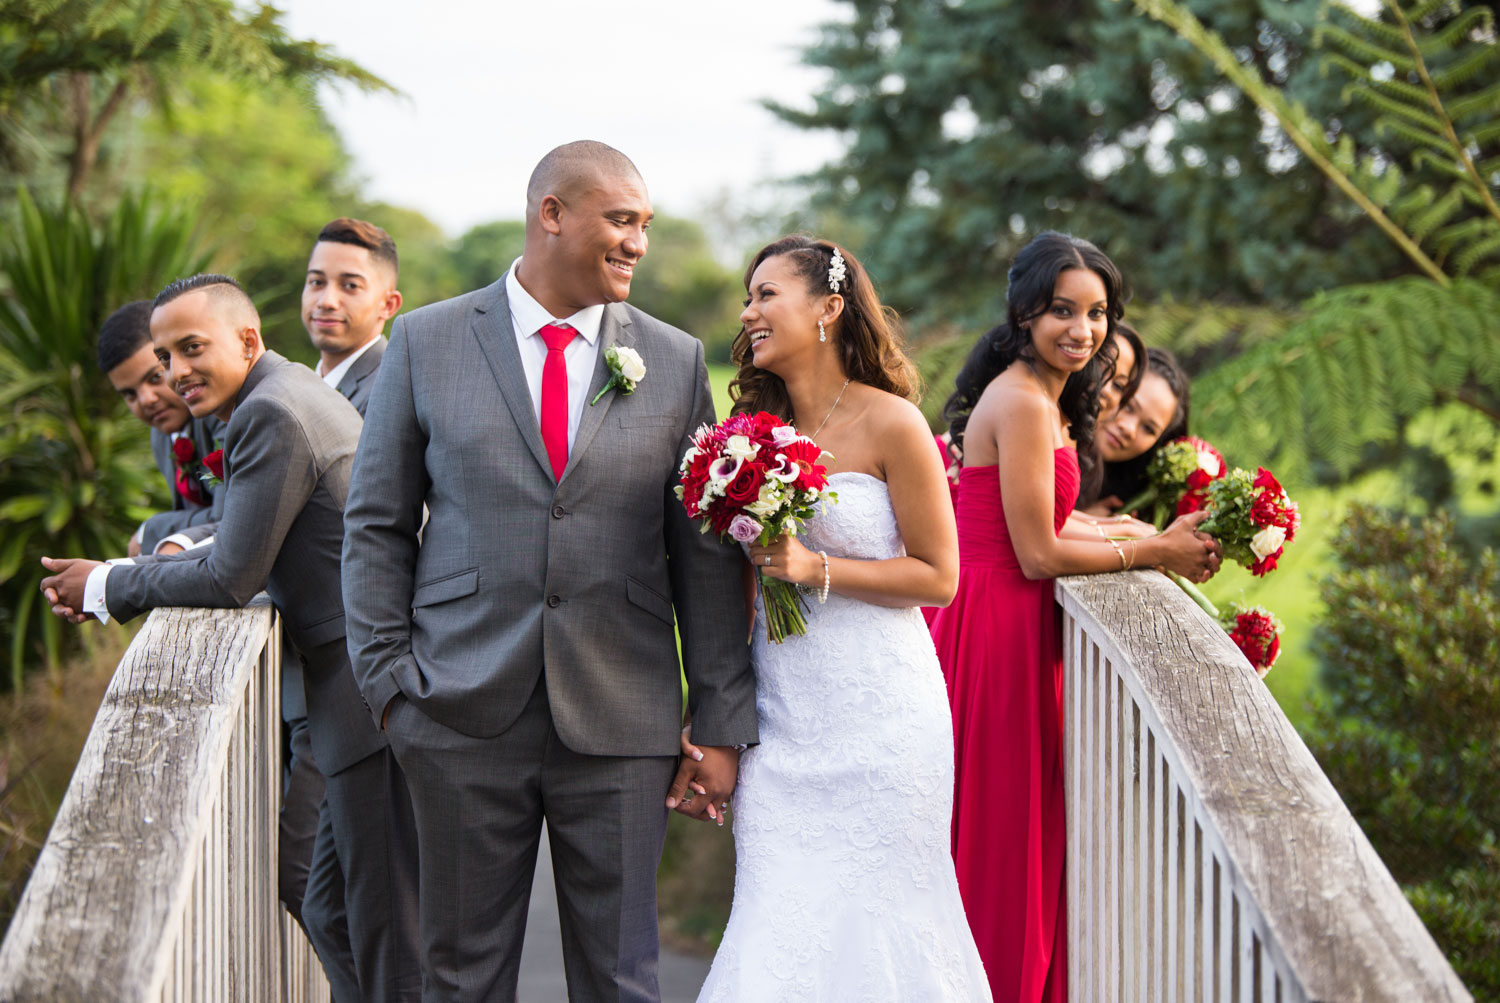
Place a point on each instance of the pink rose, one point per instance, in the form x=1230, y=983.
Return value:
x=744, y=529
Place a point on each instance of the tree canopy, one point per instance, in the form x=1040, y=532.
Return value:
x=973, y=125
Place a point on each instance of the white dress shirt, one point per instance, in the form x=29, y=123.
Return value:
x=528, y=317
x=335, y=375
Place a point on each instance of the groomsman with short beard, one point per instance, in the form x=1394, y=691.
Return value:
x=178, y=440
x=349, y=294
x=288, y=451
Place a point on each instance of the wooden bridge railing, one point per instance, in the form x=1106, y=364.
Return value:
x=1209, y=857
x=158, y=879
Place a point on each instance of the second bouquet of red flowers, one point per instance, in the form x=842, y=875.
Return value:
x=752, y=478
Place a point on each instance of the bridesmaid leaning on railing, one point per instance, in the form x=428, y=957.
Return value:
x=1023, y=414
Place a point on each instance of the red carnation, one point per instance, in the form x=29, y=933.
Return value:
x=1264, y=479
x=1199, y=479
x=215, y=463
x=184, y=450
x=1266, y=564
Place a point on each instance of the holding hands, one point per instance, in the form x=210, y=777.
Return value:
x=705, y=780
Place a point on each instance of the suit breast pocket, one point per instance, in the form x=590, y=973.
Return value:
x=651, y=420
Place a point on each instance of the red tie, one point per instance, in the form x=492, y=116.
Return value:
x=555, y=396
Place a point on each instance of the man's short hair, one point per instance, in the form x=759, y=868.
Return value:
x=222, y=288
x=372, y=238
x=123, y=333
x=566, y=165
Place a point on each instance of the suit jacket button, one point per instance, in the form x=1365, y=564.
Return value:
x=554, y=601
x=558, y=511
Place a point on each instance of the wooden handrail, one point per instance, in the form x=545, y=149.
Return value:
x=1209, y=857
x=158, y=879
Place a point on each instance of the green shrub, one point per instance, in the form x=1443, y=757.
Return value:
x=1409, y=650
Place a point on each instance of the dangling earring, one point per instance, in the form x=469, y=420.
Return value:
x=822, y=334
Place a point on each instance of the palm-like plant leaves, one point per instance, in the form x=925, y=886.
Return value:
x=76, y=475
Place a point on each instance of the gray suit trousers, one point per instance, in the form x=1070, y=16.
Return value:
x=479, y=806
x=360, y=907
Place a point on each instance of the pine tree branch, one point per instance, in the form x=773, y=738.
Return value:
x=1268, y=99
x=1449, y=132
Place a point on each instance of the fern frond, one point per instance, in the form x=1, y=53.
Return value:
x=1415, y=134
x=1471, y=22
x=1390, y=50
x=1418, y=111
x=1358, y=360
x=1441, y=161
x=1467, y=67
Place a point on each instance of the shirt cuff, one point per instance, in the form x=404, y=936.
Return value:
x=94, y=599
x=182, y=540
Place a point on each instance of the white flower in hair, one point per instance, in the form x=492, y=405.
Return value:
x=836, y=271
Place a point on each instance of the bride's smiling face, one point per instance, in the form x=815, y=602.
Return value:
x=780, y=315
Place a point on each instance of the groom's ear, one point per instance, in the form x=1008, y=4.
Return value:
x=549, y=214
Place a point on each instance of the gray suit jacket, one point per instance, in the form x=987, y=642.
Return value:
x=359, y=381
x=203, y=432
x=517, y=573
x=288, y=452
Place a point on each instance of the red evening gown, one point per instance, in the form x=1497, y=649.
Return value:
x=1000, y=645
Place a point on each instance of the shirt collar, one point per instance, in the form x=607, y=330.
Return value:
x=529, y=316
x=335, y=375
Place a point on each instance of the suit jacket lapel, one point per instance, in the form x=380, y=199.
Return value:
x=497, y=339
x=614, y=329
x=363, y=366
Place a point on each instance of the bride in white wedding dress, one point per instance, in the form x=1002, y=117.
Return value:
x=844, y=884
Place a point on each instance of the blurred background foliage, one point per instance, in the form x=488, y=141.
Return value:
x=1302, y=193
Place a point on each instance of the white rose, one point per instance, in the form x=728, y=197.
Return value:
x=1267, y=541
x=1208, y=463
x=740, y=447
x=767, y=503
x=631, y=365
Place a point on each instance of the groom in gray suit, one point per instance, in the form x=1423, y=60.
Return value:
x=521, y=656
x=288, y=448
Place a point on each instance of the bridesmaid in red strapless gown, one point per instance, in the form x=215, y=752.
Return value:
x=1000, y=646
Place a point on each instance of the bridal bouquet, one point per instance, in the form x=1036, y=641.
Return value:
x=1178, y=480
x=753, y=478
x=1252, y=517
x=1256, y=632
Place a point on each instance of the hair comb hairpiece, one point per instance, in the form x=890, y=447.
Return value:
x=836, y=271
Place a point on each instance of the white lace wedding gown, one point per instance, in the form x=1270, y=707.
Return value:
x=844, y=886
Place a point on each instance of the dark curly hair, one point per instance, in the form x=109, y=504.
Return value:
x=1032, y=279
x=867, y=334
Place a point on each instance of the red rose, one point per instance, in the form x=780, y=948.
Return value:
x=745, y=487
x=1263, y=479
x=184, y=450
x=1199, y=479
x=190, y=489
x=1193, y=501
x=215, y=463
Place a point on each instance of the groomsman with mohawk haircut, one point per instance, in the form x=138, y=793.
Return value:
x=288, y=451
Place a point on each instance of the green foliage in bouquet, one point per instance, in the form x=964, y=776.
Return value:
x=1409, y=649
x=75, y=468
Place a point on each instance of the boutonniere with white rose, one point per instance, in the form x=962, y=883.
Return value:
x=626, y=369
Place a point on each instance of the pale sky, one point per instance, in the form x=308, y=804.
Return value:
x=491, y=86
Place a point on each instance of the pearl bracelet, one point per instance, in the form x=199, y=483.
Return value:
x=823, y=596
